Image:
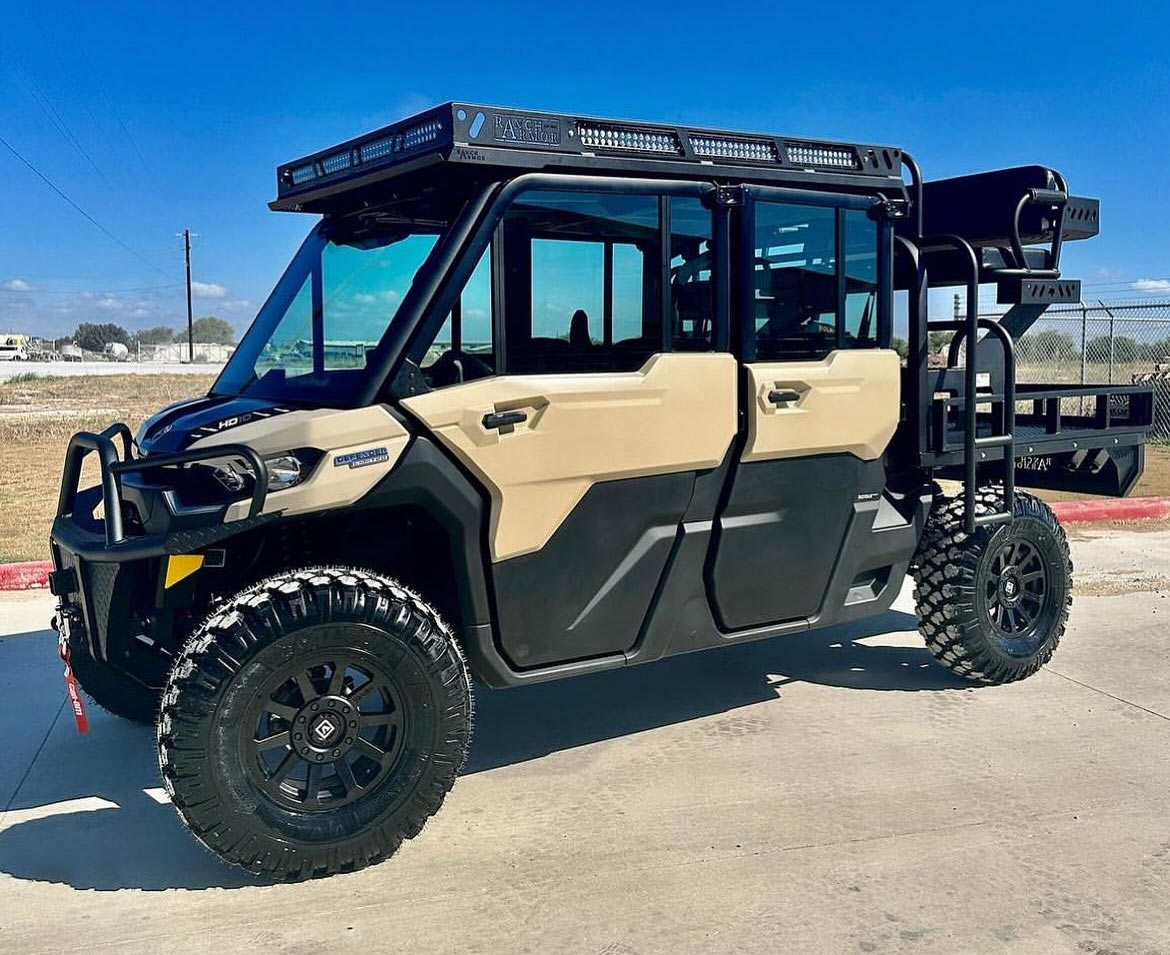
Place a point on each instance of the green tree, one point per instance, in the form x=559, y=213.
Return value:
x=212, y=330
x=94, y=337
x=938, y=341
x=901, y=346
x=159, y=335
x=1046, y=346
x=1125, y=349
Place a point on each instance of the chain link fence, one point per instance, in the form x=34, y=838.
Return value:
x=1102, y=344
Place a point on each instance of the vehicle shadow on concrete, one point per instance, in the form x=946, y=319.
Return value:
x=529, y=722
x=140, y=843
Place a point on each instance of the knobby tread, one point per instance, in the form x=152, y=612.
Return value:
x=256, y=618
x=945, y=571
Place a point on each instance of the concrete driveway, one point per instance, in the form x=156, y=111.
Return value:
x=832, y=792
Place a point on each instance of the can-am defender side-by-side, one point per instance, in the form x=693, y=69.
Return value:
x=542, y=395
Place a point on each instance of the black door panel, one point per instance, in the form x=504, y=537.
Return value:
x=585, y=593
x=778, y=536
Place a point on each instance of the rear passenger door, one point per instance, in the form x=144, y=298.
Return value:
x=820, y=397
x=607, y=399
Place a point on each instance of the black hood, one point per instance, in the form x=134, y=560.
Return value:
x=178, y=426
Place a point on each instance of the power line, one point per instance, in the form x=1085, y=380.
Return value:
x=41, y=98
x=97, y=225
x=103, y=291
x=97, y=81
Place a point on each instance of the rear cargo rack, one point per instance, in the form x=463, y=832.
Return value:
x=985, y=228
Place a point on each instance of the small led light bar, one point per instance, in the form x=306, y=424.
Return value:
x=628, y=138
x=409, y=140
x=753, y=150
x=815, y=154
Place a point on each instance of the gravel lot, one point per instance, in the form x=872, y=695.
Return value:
x=824, y=793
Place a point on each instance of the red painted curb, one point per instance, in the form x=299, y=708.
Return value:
x=1113, y=509
x=25, y=576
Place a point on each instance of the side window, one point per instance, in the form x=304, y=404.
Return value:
x=692, y=293
x=861, y=279
x=795, y=281
x=581, y=286
x=462, y=348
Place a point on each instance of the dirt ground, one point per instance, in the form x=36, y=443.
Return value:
x=38, y=414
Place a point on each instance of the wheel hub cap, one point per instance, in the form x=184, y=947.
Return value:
x=324, y=731
x=1017, y=594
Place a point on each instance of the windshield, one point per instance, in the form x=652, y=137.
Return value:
x=333, y=305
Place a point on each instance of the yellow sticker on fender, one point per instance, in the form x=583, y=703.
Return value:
x=180, y=567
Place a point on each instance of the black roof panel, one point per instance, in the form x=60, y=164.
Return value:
x=511, y=141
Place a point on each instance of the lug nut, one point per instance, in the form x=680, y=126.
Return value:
x=316, y=706
x=319, y=757
x=298, y=736
x=337, y=752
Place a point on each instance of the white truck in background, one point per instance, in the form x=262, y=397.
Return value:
x=13, y=347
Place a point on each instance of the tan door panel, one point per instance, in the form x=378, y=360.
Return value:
x=676, y=413
x=848, y=402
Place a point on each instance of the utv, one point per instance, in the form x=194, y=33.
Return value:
x=542, y=395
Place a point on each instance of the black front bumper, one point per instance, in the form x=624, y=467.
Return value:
x=107, y=570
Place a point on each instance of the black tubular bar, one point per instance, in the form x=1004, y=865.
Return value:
x=1049, y=197
x=112, y=468
x=971, y=441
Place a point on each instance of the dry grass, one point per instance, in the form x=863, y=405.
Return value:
x=37, y=416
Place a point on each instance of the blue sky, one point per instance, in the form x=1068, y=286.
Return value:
x=155, y=117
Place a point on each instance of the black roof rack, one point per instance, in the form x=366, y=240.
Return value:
x=511, y=139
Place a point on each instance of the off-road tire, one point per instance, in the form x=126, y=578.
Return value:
x=209, y=767
x=958, y=597
x=113, y=690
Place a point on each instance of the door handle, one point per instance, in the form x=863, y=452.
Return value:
x=501, y=419
x=783, y=394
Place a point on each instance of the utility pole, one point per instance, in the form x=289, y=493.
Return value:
x=190, y=323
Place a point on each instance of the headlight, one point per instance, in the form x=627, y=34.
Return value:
x=284, y=470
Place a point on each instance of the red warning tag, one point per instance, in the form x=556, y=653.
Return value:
x=75, y=701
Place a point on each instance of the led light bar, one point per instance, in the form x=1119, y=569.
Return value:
x=753, y=150
x=302, y=174
x=814, y=154
x=337, y=162
x=630, y=139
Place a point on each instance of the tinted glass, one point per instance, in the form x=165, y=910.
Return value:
x=795, y=281
x=861, y=278
x=462, y=349
x=581, y=291
x=312, y=340
x=692, y=293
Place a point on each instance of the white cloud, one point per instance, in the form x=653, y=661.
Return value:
x=109, y=303
x=1152, y=285
x=208, y=290
x=16, y=285
x=365, y=298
